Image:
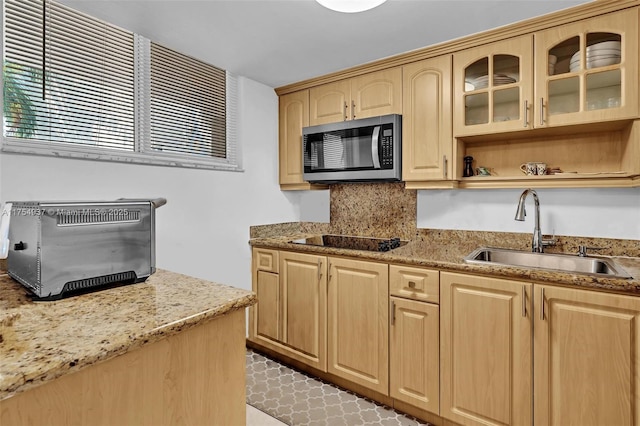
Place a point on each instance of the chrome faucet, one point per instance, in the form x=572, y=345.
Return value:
x=537, y=243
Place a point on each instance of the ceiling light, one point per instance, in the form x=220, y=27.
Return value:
x=350, y=6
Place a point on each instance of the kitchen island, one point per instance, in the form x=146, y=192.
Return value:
x=170, y=350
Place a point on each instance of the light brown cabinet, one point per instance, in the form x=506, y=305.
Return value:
x=587, y=354
x=293, y=115
x=368, y=95
x=266, y=319
x=357, y=319
x=414, y=337
x=290, y=317
x=473, y=349
x=485, y=350
x=427, y=146
x=587, y=71
x=566, y=96
x=581, y=73
x=493, y=87
x=562, y=90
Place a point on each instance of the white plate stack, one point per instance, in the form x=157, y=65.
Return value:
x=498, y=79
x=598, y=55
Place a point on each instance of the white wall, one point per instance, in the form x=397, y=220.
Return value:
x=203, y=230
x=603, y=213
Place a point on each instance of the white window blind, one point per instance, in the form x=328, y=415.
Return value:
x=87, y=94
x=187, y=104
x=109, y=94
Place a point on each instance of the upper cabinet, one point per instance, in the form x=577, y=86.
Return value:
x=293, y=116
x=426, y=122
x=562, y=90
x=579, y=73
x=493, y=87
x=566, y=97
x=368, y=95
x=587, y=71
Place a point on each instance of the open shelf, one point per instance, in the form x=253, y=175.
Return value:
x=587, y=156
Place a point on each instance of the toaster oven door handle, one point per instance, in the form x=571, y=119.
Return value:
x=374, y=147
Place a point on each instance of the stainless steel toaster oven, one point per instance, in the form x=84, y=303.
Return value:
x=62, y=248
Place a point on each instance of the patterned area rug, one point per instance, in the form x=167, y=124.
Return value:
x=297, y=399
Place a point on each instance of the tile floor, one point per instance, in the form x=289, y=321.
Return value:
x=256, y=417
x=296, y=399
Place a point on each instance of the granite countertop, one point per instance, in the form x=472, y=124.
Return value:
x=40, y=341
x=450, y=257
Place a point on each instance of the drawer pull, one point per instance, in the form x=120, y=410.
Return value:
x=412, y=284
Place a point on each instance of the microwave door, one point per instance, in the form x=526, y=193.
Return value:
x=361, y=148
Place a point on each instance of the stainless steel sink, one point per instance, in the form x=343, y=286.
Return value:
x=594, y=266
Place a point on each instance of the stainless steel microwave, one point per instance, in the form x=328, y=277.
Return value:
x=363, y=150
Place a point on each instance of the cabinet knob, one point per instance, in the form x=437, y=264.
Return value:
x=412, y=284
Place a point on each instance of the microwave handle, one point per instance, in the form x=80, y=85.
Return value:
x=374, y=147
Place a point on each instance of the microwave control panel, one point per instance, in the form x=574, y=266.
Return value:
x=386, y=160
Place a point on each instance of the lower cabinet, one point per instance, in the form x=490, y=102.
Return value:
x=358, y=327
x=414, y=337
x=587, y=358
x=472, y=349
x=290, y=316
x=486, y=350
x=414, y=353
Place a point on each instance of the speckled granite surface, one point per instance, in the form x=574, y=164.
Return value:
x=373, y=210
x=40, y=341
x=445, y=250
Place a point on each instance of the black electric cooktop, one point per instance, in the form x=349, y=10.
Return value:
x=353, y=243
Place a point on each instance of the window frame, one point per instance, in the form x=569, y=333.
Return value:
x=142, y=153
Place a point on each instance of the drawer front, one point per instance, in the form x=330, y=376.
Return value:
x=414, y=283
x=265, y=260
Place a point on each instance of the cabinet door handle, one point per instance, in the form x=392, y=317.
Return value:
x=444, y=166
x=353, y=109
x=319, y=269
x=526, y=113
x=542, y=111
x=393, y=312
x=542, y=304
x=346, y=115
x=524, y=301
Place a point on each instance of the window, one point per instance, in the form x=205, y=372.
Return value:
x=76, y=86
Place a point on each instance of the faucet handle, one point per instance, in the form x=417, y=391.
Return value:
x=582, y=250
x=551, y=241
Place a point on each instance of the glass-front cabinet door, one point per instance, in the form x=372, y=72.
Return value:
x=493, y=87
x=587, y=71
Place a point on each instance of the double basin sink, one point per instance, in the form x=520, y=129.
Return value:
x=594, y=266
